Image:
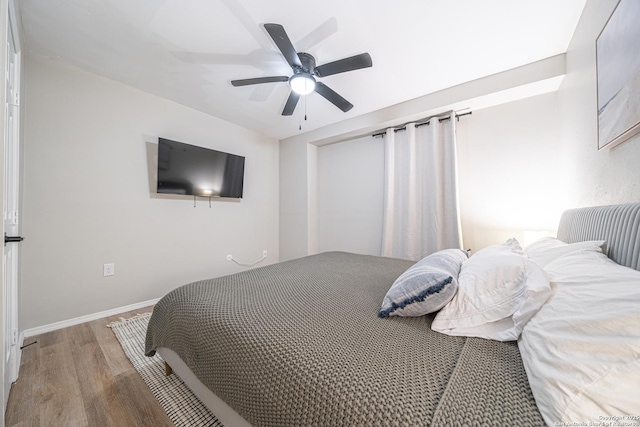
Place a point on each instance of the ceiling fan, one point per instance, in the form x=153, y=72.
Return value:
x=302, y=81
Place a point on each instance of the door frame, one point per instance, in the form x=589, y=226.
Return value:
x=10, y=32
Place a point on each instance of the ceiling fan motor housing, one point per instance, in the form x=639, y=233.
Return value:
x=308, y=63
x=304, y=69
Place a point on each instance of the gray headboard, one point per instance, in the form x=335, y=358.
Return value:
x=618, y=225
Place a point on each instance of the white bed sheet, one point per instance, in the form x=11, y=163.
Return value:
x=581, y=351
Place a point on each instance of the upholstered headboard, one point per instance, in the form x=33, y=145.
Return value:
x=618, y=225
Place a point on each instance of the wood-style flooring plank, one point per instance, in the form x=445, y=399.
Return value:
x=25, y=424
x=79, y=376
x=143, y=407
x=113, y=353
x=97, y=384
x=50, y=338
x=26, y=391
x=62, y=403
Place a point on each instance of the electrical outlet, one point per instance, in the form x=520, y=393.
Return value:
x=229, y=257
x=109, y=269
x=264, y=253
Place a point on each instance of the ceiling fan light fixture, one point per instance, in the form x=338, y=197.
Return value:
x=303, y=65
x=302, y=84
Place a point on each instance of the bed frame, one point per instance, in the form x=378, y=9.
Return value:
x=618, y=225
x=223, y=412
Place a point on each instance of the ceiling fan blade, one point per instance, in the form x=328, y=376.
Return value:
x=291, y=104
x=343, y=65
x=258, y=80
x=326, y=29
x=258, y=58
x=247, y=22
x=333, y=97
x=280, y=37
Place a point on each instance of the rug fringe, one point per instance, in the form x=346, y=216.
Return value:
x=130, y=319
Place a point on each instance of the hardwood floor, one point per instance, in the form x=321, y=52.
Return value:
x=79, y=376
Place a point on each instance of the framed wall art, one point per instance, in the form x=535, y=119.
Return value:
x=618, y=70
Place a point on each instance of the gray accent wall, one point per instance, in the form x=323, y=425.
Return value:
x=89, y=197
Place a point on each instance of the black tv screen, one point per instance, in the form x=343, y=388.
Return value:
x=197, y=171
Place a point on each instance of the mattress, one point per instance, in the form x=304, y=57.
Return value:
x=299, y=343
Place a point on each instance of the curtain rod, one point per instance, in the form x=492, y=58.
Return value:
x=421, y=122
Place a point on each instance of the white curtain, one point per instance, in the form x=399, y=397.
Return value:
x=421, y=209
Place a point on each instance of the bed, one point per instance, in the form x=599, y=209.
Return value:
x=299, y=343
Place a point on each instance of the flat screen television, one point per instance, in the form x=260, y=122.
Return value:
x=197, y=171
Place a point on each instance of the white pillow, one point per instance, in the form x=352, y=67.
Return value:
x=581, y=350
x=547, y=249
x=498, y=292
x=511, y=245
x=544, y=244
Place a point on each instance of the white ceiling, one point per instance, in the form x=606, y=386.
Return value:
x=189, y=50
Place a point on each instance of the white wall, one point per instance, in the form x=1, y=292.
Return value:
x=595, y=177
x=294, y=200
x=88, y=198
x=511, y=178
x=350, y=196
x=299, y=232
x=312, y=199
x=522, y=162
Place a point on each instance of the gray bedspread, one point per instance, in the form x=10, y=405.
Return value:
x=299, y=343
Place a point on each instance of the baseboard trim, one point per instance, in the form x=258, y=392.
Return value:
x=82, y=319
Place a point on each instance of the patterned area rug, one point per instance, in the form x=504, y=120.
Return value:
x=180, y=404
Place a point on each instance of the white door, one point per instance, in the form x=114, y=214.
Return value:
x=11, y=200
